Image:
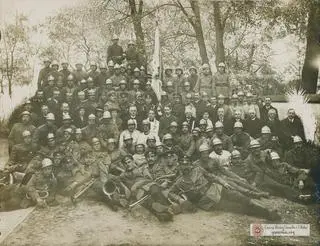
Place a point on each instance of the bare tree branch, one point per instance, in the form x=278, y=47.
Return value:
x=179, y=5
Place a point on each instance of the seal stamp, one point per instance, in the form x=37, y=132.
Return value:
x=257, y=230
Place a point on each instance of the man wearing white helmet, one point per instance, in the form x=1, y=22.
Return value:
x=66, y=123
x=265, y=138
x=209, y=191
x=130, y=131
x=84, y=146
x=15, y=135
x=42, y=185
x=107, y=129
x=93, y=73
x=40, y=134
x=21, y=155
x=117, y=77
x=220, y=156
x=115, y=51
x=253, y=124
x=206, y=82
x=222, y=81
x=219, y=133
x=298, y=155
x=240, y=139
x=146, y=133
x=262, y=177
x=286, y=173
x=185, y=90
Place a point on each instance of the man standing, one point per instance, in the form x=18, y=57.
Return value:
x=264, y=110
x=115, y=51
x=253, y=125
x=44, y=73
x=222, y=81
x=206, y=82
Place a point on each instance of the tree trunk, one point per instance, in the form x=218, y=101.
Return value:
x=219, y=30
x=197, y=26
x=310, y=68
x=136, y=16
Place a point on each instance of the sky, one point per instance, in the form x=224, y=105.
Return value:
x=36, y=10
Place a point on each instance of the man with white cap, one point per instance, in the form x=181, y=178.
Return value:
x=66, y=123
x=206, y=82
x=220, y=156
x=115, y=51
x=131, y=131
x=146, y=133
x=15, y=135
x=297, y=156
x=219, y=133
x=222, y=81
x=185, y=90
x=42, y=186
x=40, y=134
x=208, y=191
x=94, y=73
x=286, y=173
x=117, y=76
x=263, y=178
x=253, y=124
x=265, y=138
x=240, y=139
x=21, y=155
x=107, y=129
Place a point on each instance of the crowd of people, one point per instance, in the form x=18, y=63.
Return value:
x=201, y=143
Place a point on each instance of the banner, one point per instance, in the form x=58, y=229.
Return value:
x=156, y=65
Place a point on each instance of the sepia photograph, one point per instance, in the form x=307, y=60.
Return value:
x=160, y=122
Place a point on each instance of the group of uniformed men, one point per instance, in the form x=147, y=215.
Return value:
x=203, y=145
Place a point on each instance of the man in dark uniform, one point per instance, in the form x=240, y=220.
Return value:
x=166, y=120
x=65, y=71
x=15, y=136
x=93, y=73
x=44, y=73
x=79, y=74
x=264, y=110
x=292, y=126
x=253, y=125
x=132, y=55
x=40, y=134
x=240, y=139
x=115, y=51
x=193, y=77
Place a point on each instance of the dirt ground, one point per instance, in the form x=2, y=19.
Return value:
x=92, y=223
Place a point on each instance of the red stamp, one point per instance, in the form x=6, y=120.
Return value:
x=257, y=230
